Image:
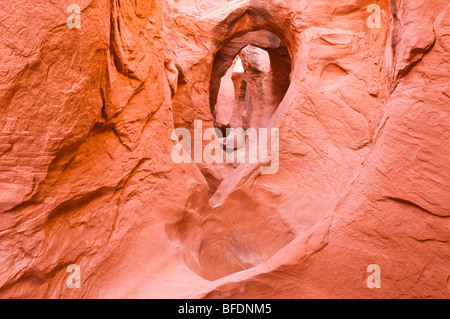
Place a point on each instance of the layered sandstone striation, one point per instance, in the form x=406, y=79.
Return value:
x=87, y=177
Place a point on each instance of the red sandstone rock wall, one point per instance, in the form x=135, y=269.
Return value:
x=87, y=178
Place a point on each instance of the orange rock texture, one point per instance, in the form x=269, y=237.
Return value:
x=359, y=90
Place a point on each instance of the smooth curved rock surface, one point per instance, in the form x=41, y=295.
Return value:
x=87, y=178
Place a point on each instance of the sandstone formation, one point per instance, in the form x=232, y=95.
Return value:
x=361, y=101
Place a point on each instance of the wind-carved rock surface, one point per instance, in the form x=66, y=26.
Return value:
x=87, y=178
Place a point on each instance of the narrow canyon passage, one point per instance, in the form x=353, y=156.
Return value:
x=251, y=74
x=250, y=78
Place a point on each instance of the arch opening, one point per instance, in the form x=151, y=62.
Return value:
x=250, y=78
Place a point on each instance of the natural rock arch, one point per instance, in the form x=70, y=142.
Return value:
x=277, y=77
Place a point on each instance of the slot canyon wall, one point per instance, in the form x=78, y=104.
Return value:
x=86, y=170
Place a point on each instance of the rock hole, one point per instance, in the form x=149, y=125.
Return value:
x=250, y=77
